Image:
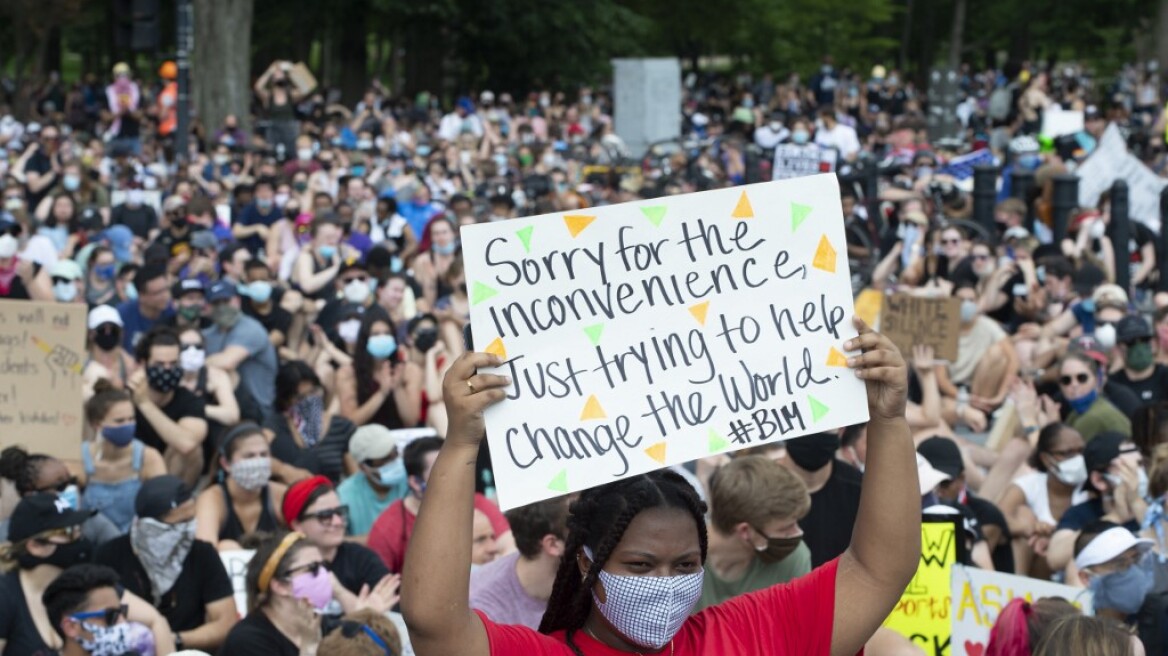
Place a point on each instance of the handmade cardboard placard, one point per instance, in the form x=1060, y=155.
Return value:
x=42, y=351
x=979, y=597
x=909, y=320
x=923, y=613
x=647, y=334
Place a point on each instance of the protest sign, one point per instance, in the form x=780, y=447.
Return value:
x=651, y=333
x=979, y=596
x=909, y=320
x=150, y=198
x=868, y=305
x=1057, y=122
x=922, y=614
x=235, y=562
x=1111, y=161
x=795, y=161
x=42, y=351
x=303, y=78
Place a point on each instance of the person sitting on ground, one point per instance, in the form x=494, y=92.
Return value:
x=1117, y=567
x=1021, y=625
x=245, y=500
x=835, y=494
x=1091, y=414
x=364, y=633
x=986, y=364
x=39, y=472
x=1138, y=347
x=515, y=588
x=84, y=608
x=1090, y=636
x=380, y=478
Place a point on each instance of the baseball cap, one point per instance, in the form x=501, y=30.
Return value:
x=222, y=290
x=1091, y=112
x=188, y=285
x=103, y=314
x=1110, y=294
x=374, y=441
x=1102, y=449
x=1132, y=327
x=928, y=475
x=204, y=240
x=1109, y=545
x=67, y=269
x=1089, y=346
x=1017, y=232
x=944, y=455
x=120, y=239
x=160, y=495
x=43, y=511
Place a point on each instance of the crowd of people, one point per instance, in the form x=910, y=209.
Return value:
x=275, y=361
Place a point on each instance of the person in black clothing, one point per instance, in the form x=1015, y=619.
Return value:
x=161, y=560
x=262, y=302
x=1140, y=373
x=945, y=456
x=84, y=608
x=246, y=500
x=312, y=507
x=835, y=494
x=169, y=417
x=139, y=217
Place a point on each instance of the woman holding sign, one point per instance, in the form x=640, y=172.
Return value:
x=632, y=569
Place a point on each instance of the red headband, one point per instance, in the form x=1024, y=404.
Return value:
x=297, y=496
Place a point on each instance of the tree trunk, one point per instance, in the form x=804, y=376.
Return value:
x=353, y=53
x=905, y=38
x=1162, y=38
x=220, y=71
x=957, y=35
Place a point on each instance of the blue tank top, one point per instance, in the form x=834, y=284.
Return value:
x=114, y=500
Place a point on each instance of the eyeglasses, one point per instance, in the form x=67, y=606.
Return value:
x=350, y=629
x=1079, y=378
x=191, y=347
x=110, y=615
x=314, y=567
x=325, y=515
x=59, y=487
x=979, y=256
x=68, y=533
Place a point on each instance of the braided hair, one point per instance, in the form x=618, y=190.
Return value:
x=22, y=468
x=598, y=520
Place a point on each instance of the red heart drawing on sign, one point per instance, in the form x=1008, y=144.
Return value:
x=974, y=648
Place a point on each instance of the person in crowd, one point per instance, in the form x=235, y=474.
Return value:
x=210, y=384
x=359, y=578
x=44, y=540
x=107, y=359
x=160, y=560
x=1091, y=414
x=645, y=536
x=754, y=537
x=391, y=532
x=428, y=356
x=263, y=305
x=378, y=387
x=835, y=494
x=1114, y=467
x=319, y=262
x=239, y=345
x=430, y=266
x=1118, y=569
x=68, y=281
x=1140, y=372
x=514, y=589
x=169, y=418
x=1078, y=634
x=116, y=462
x=245, y=500
x=986, y=362
x=257, y=218
x=84, y=608
x=364, y=633
x=151, y=306
x=31, y=473
x=1021, y=625
x=380, y=479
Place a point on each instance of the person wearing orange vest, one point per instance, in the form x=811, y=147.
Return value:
x=168, y=100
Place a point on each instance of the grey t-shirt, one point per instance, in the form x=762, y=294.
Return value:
x=495, y=590
x=257, y=373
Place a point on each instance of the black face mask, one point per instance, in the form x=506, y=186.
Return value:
x=813, y=452
x=64, y=556
x=107, y=337
x=163, y=379
x=777, y=548
x=425, y=339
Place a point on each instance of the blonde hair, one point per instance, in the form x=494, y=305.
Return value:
x=358, y=643
x=755, y=490
x=1079, y=634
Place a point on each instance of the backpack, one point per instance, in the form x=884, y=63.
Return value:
x=1001, y=102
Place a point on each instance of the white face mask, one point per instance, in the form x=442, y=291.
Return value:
x=192, y=360
x=1105, y=335
x=648, y=610
x=356, y=291
x=1097, y=229
x=347, y=330
x=303, y=154
x=65, y=292
x=1072, y=471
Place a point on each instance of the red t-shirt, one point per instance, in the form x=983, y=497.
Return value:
x=792, y=618
x=391, y=532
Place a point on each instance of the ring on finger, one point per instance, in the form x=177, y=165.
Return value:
x=471, y=387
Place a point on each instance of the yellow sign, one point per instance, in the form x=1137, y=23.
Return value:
x=923, y=613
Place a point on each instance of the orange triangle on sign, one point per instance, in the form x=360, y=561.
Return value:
x=577, y=222
x=824, y=256
x=836, y=359
x=743, y=210
x=699, y=311
x=657, y=452
x=496, y=348
x=592, y=410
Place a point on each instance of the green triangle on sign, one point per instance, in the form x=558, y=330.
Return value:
x=717, y=442
x=524, y=235
x=560, y=482
x=818, y=410
x=799, y=214
x=593, y=333
x=655, y=214
x=481, y=293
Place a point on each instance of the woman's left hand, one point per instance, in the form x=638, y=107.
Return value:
x=883, y=371
x=382, y=597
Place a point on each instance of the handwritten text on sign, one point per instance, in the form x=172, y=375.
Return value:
x=936, y=322
x=923, y=612
x=651, y=333
x=979, y=597
x=42, y=350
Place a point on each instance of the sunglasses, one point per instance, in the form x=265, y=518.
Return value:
x=68, y=533
x=57, y=280
x=191, y=347
x=110, y=615
x=59, y=487
x=950, y=242
x=981, y=257
x=350, y=629
x=314, y=567
x=325, y=515
x=1079, y=378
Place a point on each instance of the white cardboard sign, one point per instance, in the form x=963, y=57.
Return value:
x=1057, y=122
x=652, y=333
x=1111, y=161
x=236, y=564
x=979, y=597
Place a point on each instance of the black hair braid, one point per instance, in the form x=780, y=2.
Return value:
x=598, y=519
x=22, y=468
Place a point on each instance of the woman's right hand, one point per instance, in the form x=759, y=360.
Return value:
x=306, y=625
x=468, y=393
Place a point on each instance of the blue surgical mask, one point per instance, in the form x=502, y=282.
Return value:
x=264, y=203
x=1081, y=404
x=1123, y=591
x=395, y=264
x=381, y=346
x=71, y=496
x=447, y=249
x=800, y=136
x=259, y=291
x=105, y=271
x=392, y=473
x=327, y=252
x=358, y=171
x=131, y=292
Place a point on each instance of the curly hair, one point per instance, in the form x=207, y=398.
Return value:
x=598, y=520
x=22, y=468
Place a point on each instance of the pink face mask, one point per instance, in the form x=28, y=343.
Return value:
x=315, y=587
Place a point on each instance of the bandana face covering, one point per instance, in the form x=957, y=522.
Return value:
x=162, y=548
